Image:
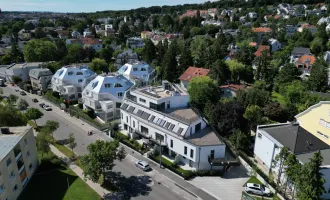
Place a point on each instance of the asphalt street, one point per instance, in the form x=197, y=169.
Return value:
x=133, y=182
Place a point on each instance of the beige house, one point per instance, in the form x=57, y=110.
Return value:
x=18, y=160
x=40, y=78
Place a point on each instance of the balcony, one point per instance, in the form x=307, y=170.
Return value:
x=143, y=134
x=223, y=161
x=18, y=155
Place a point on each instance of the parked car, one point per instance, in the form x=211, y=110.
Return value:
x=142, y=165
x=41, y=105
x=35, y=100
x=257, y=189
x=23, y=93
x=47, y=107
x=16, y=90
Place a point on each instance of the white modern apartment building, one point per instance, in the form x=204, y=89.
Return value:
x=134, y=42
x=139, y=72
x=105, y=94
x=161, y=115
x=69, y=81
x=18, y=160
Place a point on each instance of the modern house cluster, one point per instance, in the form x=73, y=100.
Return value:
x=162, y=116
x=18, y=160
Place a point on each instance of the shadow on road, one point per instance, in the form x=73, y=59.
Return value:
x=126, y=187
x=236, y=172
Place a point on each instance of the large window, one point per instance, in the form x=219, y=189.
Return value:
x=159, y=137
x=191, y=153
x=8, y=162
x=118, y=105
x=171, y=143
x=118, y=85
x=144, y=130
x=70, y=73
x=142, y=100
x=107, y=85
x=12, y=175
x=185, y=150
x=119, y=94
x=158, y=107
x=198, y=127
x=212, y=154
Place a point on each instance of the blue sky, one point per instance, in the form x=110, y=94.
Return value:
x=84, y=5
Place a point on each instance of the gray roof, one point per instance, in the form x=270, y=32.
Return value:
x=300, y=50
x=9, y=141
x=305, y=158
x=205, y=137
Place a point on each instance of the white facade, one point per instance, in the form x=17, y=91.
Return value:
x=40, y=78
x=253, y=15
x=104, y=95
x=127, y=56
x=135, y=42
x=75, y=35
x=69, y=81
x=21, y=70
x=275, y=44
x=162, y=116
x=140, y=71
x=87, y=33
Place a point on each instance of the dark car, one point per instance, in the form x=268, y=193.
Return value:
x=23, y=93
x=35, y=100
x=42, y=105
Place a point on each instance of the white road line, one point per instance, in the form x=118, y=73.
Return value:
x=166, y=185
x=185, y=197
x=175, y=191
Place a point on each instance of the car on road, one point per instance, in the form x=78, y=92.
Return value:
x=41, y=105
x=35, y=100
x=16, y=90
x=142, y=165
x=23, y=93
x=253, y=188
x=47, y=107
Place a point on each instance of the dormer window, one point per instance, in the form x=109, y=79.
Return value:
x=79, y=73
x=70, y=73
x=107, y=85
x=94, y=84
x=143, y=69
x=80, y=80
x=135, y=69
x=118, y=85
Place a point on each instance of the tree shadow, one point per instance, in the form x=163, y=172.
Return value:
x=126, y=187
x=62, y=142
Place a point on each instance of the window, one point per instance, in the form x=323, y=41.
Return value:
x=323, y=135
x=8, y=162
x=28, y=154
x=191, y=153
x=2, y=188
x=119, y=94
x=107, y=85
x=15, y=188
x=70, y=73
x=135, y=69
x=117, y=85
x=185, y=150
x=198, y=127
x=25, y=141
x=80, y=80
x=142, y=100
x=212, y=155
x=109, y=106
x=144, y=130
x=12, y=175
x=259, y=135
x=126, y=119
x=118, y=105
x=133, y=124
x=121, y=115
x=171, y=143
x=30, y=166
x=143, y=69
x=159, y=137
x=79, y=73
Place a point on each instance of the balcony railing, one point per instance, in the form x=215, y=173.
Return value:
x=18, y=156
x=143, y=134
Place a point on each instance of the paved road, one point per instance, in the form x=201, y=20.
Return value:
x=134, y=183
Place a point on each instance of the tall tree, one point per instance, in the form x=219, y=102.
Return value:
x=11, y=116
x=149, y=52
x=12, y=99
x=51, y=126
x=39, y=51
x=236, y=68
x=124, y=31
x=33, y=114
x=254, y=115
x=220, y=72
x=99, y=65
x=279, y=164
x=76, y=53
x=288, y=73
x=43, y=141
x=62, y=51
x=72, y=142
x=22, y=104
x=169, y=65
x=318, y=80
x=106, y=53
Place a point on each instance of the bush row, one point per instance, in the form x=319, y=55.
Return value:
x=131, y=143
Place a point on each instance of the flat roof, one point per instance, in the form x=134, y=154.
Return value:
x=205, y=137
x=22, y=65
x=187, y=114
x=9, y=141
x=159, y=92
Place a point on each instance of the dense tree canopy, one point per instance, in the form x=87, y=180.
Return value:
x=40, y=51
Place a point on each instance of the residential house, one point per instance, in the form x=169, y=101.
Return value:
x=190, y=73
x=96, y=44
x=127, y=56
x=87, y=33
x=305, y=63
x=230, y=90
x=309, y=27
x=74, y=41
x=213, y=22
x=261, y=32
x=307, y=135
x=261, y=49
x=75, y=34
x=162, y=117
x=290, y=30
x=135, y=42
x=327, y=57
x=63, y=34
x=146, y=35
x=252, y=15
x=232, y=32
x=18, y=160
x=139, y=72
x=40, y=78
x=69, y=81
x=21, y=70
x=104, y=95
x=275, y=45
x=297, y=52
x=323, y=20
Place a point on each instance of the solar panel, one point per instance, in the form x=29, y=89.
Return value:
x=152, y=118
x=171, y=127
x=162, y=123
x=159, y=121
x=131, y=109
x=180, y=130
x=139, y=113
x=145, y=116
x=150, y=94
x=167, y=124
x=124, y=106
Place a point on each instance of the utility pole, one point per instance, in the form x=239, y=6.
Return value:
x=67, y=179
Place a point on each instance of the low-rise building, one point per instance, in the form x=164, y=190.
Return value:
x=290, y=30
x=18, y=160
x=308, y=27
x=230, y=90
x=305, y=63
x=162, y=117
x=275, y=45
x=92, y=42
x=138, y=72
x=69, y=81
x=134, y=42
x=104, y=95
x=75, y=34
x=297, y=52
x=261, y=32
x=127, y=56
x=190, y=73
x=21, y=70
x=40, y=78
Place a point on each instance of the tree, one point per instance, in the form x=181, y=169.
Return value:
x=72, y=142
x=10, y=116
x=76, y=53
x=318, y=80
x=253, y=96
x=317, y=46
x=50, y=127
x=43, y=141
x=12, y=99
x=198, y=49
x=149, y=51
x=39, y=51
x=16, y=79
x=99, y=65
x=220, y=72
x=100, y=159
x=62, y=51
x=169, y=64
x=295, y=93
x=288, y=73
x=124, y=31
x=91, y=53
x=275, y=112
x=254, y=115
x=279, y=164
x=236, y=68
x=33, y=114
x=39, y=33
x=22, y=104
x=240, y=140
x=106, y=53
x=245, y=55
x=201, y=90
x=185, y=59
x=293, y=169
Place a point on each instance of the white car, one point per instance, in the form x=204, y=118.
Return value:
x=47, y=107
x=142, y=165
x=257, y=189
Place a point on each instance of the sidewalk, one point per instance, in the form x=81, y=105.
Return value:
x=95, y=186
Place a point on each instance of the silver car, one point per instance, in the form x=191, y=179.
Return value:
x=142, y=165
x=257, y=189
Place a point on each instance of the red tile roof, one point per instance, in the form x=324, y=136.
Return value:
x=262, y=30
x=90, y=41
x=306, y=60
x=261, y=49
x=234, y=87
x=253, y=44
x=192, y=72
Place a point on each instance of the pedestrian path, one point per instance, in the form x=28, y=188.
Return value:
x=95, y=186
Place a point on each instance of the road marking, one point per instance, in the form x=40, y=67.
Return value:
x=175, y=191
x=166, y=185
x=185, y=197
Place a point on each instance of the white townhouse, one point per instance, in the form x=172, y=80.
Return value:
x=161, y=115
x=69, y=81
x=135, y=42
x=104, y=95
x=138, y=72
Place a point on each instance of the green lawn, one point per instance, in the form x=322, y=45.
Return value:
x=68, y=153
x=253, y=179
x=278, y=97
x=50, y=182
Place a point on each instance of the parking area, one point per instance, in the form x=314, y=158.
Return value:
x=228, y=187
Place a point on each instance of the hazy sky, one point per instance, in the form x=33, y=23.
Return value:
x=84, y=5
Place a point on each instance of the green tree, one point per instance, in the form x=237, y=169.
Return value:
x=39, y=51
x=295, y=93
x=149, y=51
x=236, y=68
x=279, y=164
x=16, y=79
x=201, y=90
x=106, y=53
x=62, y=51
x=72, y=142
x=274, y=111
x=43, y=141
x=239, y=140
x=90, y=53
x=10, y=116
x=245, y=55
x=220, y=72
x=12, y=99
x=254, y=115
x=22, y=104
x=100, y=159
x=185, y=59
x=198, y=49
x=253, y=96
x=317, y=46
x=99, y=65
x=318, y=80
x=33, y=114
x=293, y=169
x=124, y=31
x=288, y=73
x=50, y=127
x=76, y=53
x=169, y=64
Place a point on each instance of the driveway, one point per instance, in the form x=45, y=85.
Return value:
x=229, y=187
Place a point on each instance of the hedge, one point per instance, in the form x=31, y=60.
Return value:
x=130, y=143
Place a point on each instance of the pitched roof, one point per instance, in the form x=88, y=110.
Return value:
x=234, y=87
x=192, y=72
x=261, y=49
x=261, y=30
x=300, y=50
x=306, y=60
x=307, y=26
x=253, y=44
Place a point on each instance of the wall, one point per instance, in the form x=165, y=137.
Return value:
x=264, y=149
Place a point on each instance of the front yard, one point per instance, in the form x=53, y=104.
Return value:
x=254, y=179
x=50, y=182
